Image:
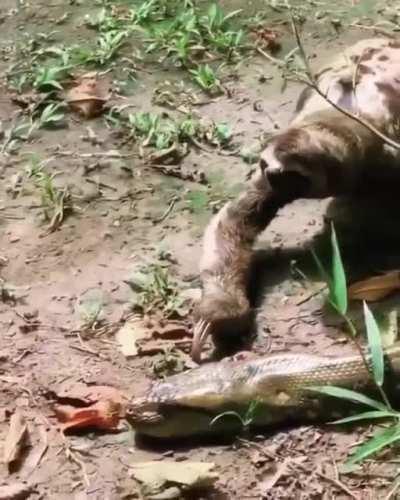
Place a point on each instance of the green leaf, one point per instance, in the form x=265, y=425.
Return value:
x=367, y=415
x=375, y=345
x=338, y=289
x=342, y=393
x=380, y=440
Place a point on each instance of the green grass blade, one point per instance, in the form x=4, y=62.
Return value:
x=349, y=395
x=227, y=414
x=367, y=415
x=339, y=287
x=380, y=440
x=375, y=345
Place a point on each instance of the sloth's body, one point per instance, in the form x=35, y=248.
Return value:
x=322, y=153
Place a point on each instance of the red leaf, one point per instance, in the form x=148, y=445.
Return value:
x=101, y=415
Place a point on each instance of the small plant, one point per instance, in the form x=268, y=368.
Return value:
x=48, y=78
x=154, y=289
x=20, y=130
x=108, y=44
x=245, y=420
x=56, y=202
x=51, y=116
x=337, y=297
x=206, y=78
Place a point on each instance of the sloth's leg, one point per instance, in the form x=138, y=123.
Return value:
x=227, y=253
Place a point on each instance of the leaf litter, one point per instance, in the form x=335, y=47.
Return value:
x=155, y=476
x=375, y=288
x=84, y=407
x=88, y=96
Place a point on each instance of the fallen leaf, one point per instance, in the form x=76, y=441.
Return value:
x=171, y=330
x=88, y=96
x=129, y=335
x=15, y=491
x=82, y=394
x=267, y=38
x=156, y=476
x=15, y=439
x=103, y=415
x=375, y=288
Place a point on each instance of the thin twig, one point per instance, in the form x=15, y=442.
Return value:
x=335, y=482
x=167, y=212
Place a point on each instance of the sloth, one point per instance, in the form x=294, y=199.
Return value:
x=322, y=153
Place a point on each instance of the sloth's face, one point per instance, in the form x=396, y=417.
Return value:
x=289, y=175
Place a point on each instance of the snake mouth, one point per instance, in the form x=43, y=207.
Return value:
x=201, y=332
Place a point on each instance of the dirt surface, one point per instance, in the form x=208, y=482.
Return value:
x=63, y=287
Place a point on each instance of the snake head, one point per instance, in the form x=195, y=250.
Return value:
x=226, y=317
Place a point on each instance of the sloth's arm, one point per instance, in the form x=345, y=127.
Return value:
x=227, y=253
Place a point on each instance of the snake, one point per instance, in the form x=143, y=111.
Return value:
x=209, y=399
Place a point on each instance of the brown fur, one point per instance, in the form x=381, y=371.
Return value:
x=322, y=153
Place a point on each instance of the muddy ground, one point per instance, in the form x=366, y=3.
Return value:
x=128, y=215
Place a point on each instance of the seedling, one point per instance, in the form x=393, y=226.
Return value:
x=56, y=202
x=156, y=290
x=206, y=78
x=51, y=116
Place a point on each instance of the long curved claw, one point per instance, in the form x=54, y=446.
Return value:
x=200, y=333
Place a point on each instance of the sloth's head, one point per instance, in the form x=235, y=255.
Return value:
x=297, y=163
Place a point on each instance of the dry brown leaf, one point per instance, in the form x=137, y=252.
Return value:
x=171, y=330
x=148, y=337
x=85, y=395
x=375, y=288
x=268, y=38
x=88, y=96
x=156, y=476
x=129, y=335
x=103, y=415
x=15, y=439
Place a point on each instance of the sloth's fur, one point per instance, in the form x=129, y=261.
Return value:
x=322, y=153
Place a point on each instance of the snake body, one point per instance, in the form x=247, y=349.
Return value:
x=185, y=404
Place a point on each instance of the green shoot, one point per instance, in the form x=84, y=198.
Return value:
x=336, y=281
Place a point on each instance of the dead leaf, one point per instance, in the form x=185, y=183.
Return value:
x=267, y=38
x=171, y=330
x=15, y=439
x=375, y=288
x=82, y=394
x=103, y=415
x=156, y=476
x=88, y=96
x=129, y=335
x=15, y=491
